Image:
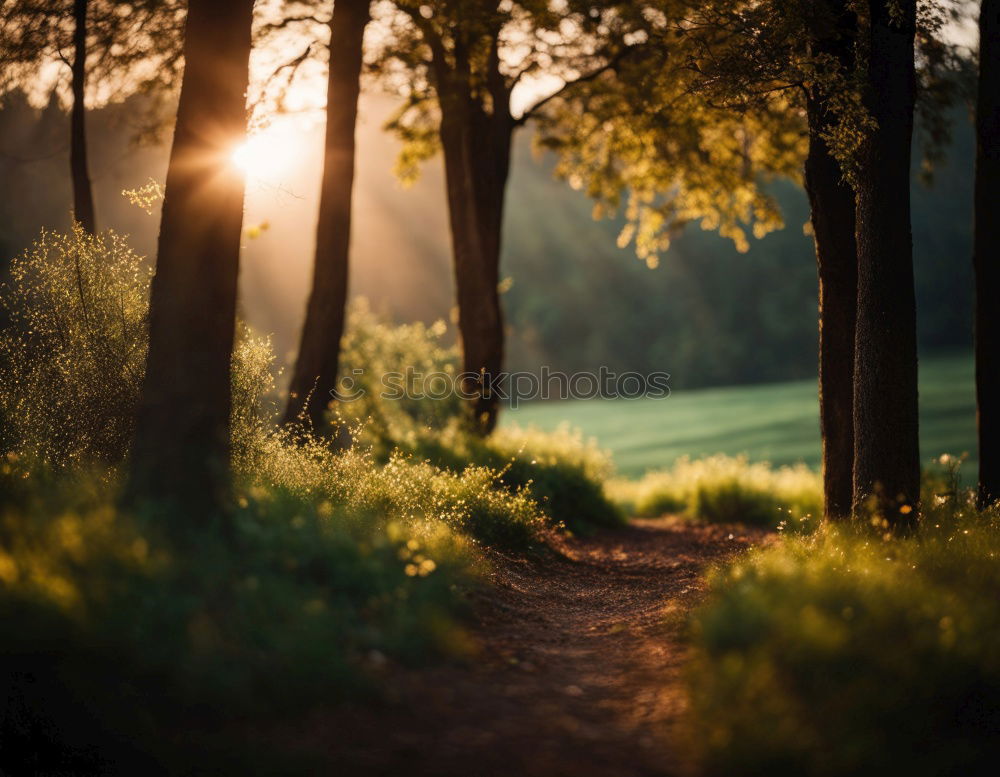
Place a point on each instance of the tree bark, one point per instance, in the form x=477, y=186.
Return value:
x=314, y=380
x=181, y=452
x=831, y=200
x=986, y=253
x=476, y=145
x=83, y=196
x=886, y=446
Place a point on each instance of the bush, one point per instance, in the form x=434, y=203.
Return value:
x=114, y=640
x=73, y=356
x=724, y=489
x=400, y=489
x=564, y=474
x=334, y=563
x=853, y=652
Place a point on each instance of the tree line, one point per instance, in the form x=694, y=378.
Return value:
x=672, y=112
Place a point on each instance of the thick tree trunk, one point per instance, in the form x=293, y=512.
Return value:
x=181, y=451
x=886, y=447
x=83, y=197
x=831, y=200
x=477, y=163
x=476, y=144
x=314, y=380
x=986, y=256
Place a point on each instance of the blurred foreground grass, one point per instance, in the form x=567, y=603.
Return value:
x=127, y=646
x=122, y=631
x=854, y=651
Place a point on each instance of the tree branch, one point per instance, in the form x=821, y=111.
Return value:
x=611, y=64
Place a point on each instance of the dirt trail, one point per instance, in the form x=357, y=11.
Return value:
x=579, y=672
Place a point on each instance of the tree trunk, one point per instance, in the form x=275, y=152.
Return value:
x=314, y=380
x=181, y=451
x=477, y=163
x=476, y=145
x=83, y=197
x=831, y=200
x=986, y=252
x=886, y=446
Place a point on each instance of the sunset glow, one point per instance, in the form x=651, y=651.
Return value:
x=270, y=155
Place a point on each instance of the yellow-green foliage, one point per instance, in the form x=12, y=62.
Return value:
x=333, y=561
x=851, y=651
x=560, y=470
x=373, y=348
x=564, y=472
x=726, y=489
x=401, y=489
x=73, y=355
x=295, y=606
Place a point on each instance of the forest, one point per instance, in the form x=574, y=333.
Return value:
x=499, y=387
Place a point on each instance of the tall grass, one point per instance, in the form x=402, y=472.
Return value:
x=115, y=641
x=854, y=651
x=74, y=351
x=724, y=489
x=560, y=470
x=335, y=561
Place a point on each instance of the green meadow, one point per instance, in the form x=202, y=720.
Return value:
x=776, y=422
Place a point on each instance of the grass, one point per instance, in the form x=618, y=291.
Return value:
x=119, y=632
x=853, y=651
x=560, y=470
x=778, y=422
x=723, y=489
x=115, y=638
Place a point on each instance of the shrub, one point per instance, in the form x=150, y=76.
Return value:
x=564, y=474
x=850, y=652
x=373, y=348
x=73, y=355
x=401, y=488
x=724, y=489
x=112, y=634
x=114, y=640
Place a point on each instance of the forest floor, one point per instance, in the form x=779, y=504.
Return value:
x=577, y=671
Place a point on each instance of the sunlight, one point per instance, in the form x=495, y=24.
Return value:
x=270, y=154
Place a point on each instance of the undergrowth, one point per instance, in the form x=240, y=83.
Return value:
x=561, y=471
x=333, y=562
x=855, y=651
x=725, y=489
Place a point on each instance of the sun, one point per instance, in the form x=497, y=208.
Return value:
x=271, y=154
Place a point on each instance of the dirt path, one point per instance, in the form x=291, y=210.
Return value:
x=578, y=674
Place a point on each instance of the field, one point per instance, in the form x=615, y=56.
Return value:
x=774, y=422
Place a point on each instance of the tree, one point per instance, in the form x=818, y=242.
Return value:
x=456, y=63
x=121, y=53
x=986, y=259
x=181, y=450
x=314, y=379
x=769, y=73
x=83, y=195
x=831, y=200
x=886, y=446
x=759, y=61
